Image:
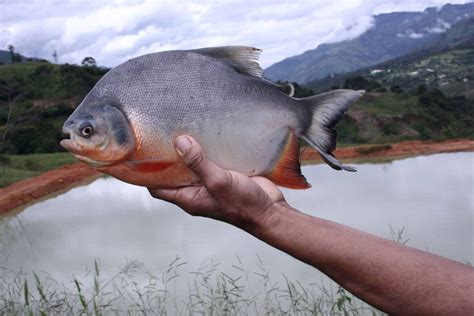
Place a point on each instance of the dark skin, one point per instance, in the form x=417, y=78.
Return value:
x=395, y=278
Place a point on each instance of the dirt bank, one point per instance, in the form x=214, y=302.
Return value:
x=398, y=150
x=27, y=191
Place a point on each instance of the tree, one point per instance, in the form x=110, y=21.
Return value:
x=89, y=62
x=8, y=93
x=361, y=83
x=11, y=49
x=396, y=89
x=422, y=88
x=15, y=57
x=55, y=56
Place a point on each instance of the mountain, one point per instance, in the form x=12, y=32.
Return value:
x=6, y=58
x=393, y=35
x=446, y=64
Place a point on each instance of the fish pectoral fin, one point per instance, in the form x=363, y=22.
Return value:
x=287, y=172
x=149, y=165
x=242, y=58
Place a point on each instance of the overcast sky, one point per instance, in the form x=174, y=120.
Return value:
x=114, y=31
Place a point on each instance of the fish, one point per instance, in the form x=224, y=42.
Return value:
x=126, y=125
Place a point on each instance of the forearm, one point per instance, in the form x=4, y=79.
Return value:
x=395, y=278
x=390, y=276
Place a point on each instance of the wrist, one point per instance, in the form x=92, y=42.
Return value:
x=271, y=221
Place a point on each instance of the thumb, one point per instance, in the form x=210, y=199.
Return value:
x=193, y=155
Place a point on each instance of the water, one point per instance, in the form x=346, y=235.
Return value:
x=431, y=197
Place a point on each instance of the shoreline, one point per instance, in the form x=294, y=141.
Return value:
x=28, y=191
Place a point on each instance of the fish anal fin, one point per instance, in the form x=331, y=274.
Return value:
x=287, y=172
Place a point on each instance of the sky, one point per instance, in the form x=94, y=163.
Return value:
x=114, y=31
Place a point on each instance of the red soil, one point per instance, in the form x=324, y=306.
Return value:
x=30, y=190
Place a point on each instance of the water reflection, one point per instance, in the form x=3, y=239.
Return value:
x=431, y=196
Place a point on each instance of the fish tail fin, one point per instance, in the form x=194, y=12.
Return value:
x=326, y=110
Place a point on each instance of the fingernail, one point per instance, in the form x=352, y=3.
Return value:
x=183, y=144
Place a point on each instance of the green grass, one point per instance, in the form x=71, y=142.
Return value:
x=21, y=167
x=389, y=104
x=237, y=288
x=209, y=290
x=22, y=70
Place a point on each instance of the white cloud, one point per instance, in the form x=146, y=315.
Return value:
x=415, y=35
x=440, y=27
x=114, y=31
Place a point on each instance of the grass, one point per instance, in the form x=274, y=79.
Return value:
x=389, y=104
x=18, y=167
x=22, y=70
x=206, y=291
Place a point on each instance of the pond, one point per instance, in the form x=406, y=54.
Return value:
x=430, y=198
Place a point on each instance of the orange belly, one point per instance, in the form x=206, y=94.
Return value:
x=163, y=174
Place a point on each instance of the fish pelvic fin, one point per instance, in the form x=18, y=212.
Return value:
x=287, y=172
x=326, y=110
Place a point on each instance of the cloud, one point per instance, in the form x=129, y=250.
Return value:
x=440, y=27
x=114, y=31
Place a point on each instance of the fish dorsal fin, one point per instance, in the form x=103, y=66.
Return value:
x=287, y=172
x=242, y=58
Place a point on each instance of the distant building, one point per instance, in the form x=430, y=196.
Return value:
x=376, y=71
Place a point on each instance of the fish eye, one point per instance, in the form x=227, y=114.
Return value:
x=86, y=130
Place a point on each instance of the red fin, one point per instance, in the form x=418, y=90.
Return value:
x=150, y=165
x=287, y=172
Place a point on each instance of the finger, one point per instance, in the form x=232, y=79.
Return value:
x=168, y=195
x=193, y=155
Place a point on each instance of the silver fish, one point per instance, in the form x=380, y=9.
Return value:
x=127, y=123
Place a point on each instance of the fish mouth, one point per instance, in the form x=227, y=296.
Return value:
x=93, y=163
x=78, y=151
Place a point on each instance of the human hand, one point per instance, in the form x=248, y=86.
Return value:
x=224, y=195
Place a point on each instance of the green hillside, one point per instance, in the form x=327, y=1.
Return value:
x=451, y=71
x=391, y=117
x=41, y=97
x=419, y=113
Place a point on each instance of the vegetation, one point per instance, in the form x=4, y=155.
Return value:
x=209, y=289
x=37, y=99
x=239, y=291
x=417, y=114
x=391, y=115
x=18, y=167
x=451, y=71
